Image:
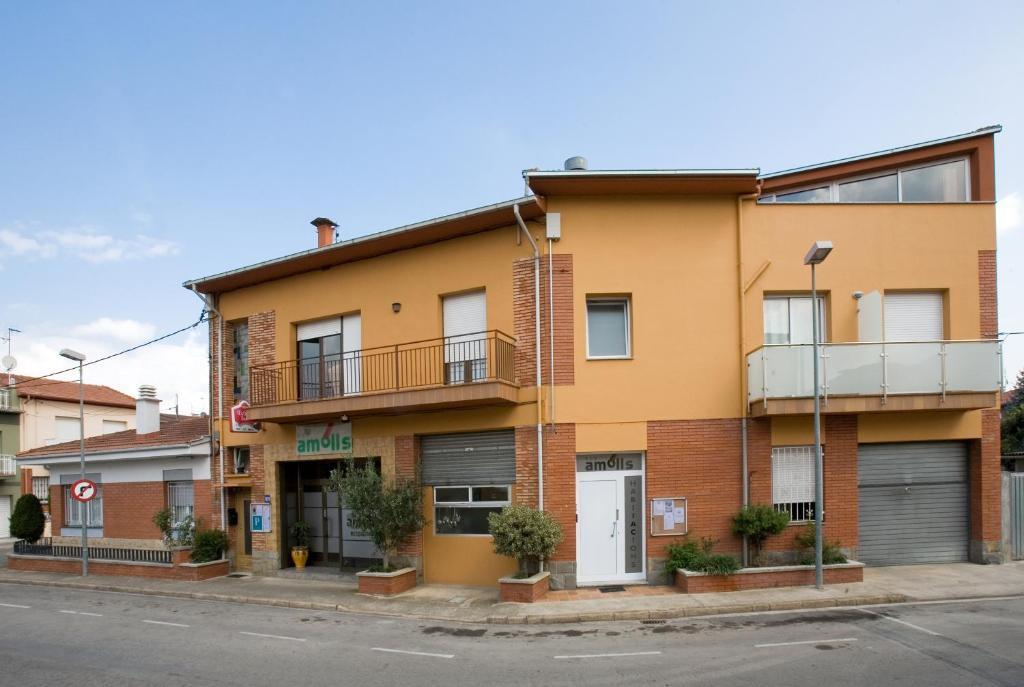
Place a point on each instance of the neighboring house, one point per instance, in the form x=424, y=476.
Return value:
x=49, y=414
x=164, y=462
x=10, y=484
x=674, y=374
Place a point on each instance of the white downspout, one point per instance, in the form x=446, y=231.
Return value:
x=551, y=333
x=536, y=322
x=208, y=300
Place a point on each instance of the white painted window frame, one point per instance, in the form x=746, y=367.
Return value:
x=810, y=478
x=628, y=323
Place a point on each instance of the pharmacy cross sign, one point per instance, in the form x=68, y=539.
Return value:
x=83, y=490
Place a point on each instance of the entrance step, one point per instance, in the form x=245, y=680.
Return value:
x=320, y=574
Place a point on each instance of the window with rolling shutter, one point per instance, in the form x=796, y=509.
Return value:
x=465, y=337
x=914, y=316
x=793, y=481
x=474, y=458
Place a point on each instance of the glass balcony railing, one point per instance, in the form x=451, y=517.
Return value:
x=875, y=369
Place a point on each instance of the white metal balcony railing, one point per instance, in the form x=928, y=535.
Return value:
x=875, y=369
x=8, y=466
x=6, y=399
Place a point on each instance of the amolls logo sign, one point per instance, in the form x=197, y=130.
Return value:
x=605, y=462
x=322, y=438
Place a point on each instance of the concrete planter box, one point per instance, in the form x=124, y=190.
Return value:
x=767, y=578
x=387, y=584
x=526, y=589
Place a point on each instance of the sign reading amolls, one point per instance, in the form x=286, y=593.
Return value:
x=323, y=438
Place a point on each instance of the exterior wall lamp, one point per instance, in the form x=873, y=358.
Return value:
x=396, y=307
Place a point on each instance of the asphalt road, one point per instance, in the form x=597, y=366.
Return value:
x=62, y=636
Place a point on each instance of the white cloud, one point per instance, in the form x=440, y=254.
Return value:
x=1009, y=213
x=129, y=331
x=84, y=243
x=176, y=366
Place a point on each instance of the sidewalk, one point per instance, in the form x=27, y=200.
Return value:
x=480, y=605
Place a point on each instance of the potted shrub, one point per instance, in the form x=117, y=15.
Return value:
x=300, y=552
x=757, y=523
x=209, y=545
x=390, y=512
x=27, y=520
x=529, y=536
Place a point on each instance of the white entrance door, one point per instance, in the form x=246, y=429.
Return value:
x=598, y=540
x=610, y=520
x=5, y=516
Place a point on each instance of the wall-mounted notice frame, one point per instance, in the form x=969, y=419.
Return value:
x=668, y=516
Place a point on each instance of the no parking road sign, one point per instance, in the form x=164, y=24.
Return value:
x=83, y=490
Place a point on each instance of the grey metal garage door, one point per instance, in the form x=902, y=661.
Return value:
x=913, y=503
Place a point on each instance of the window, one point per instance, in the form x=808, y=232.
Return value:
x=936, y=182
x=41, y=488
x=464, y=509
x=73, y=509
x=241, y=355
x=180, y=500
x=608, y=328
x=111, y=426
x=465, y=337
x=329, y=355
x=68, y=429
x=793, y=481
x=787, y=320
x=241, y=455
x=914, y=316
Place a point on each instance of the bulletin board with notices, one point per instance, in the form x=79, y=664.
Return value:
x=668, y=517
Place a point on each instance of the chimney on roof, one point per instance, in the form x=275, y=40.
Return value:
x=147, y=410
x=324, y=231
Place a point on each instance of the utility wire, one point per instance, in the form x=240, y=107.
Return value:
x=31, y=380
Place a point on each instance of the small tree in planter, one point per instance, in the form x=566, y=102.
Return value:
x=27, y=520
x=525, y=534
x=389, y=512
x=757, y=523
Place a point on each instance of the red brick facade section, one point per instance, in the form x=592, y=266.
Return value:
x=701, y=584
x=701, y=460
x=387, y=586
x=523, y=310
x=559, y=478
x=166, y=572
x=406, y=451
x=986, y=483
x=261, y=541
x=525, y=593
x=987, y=294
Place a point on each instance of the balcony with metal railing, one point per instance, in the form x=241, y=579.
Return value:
x=875, y=377
x=8, y=466
x=453, y=372
x=8, y=398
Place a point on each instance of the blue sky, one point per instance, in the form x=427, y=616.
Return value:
x=143, y=144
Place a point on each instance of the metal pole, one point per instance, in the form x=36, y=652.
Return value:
x=83, y=506
x=819, y=496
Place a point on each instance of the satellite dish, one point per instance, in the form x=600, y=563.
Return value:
x=9, y=362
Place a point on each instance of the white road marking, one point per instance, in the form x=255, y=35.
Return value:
x=14, y=606
x=901, y=622
x=411, y=653
x=69, y=612
x=161, y=622
x=94, y=615
x=809, y=641
x=260, y=634
x=630, y=653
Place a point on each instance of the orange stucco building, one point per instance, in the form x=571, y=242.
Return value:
x=672, y=317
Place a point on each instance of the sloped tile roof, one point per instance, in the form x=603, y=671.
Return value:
x=174, y=431
x=56, y=390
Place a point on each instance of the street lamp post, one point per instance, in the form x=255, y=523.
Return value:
x=83, y=506
x=815, y=256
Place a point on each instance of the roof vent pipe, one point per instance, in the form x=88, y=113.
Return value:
x=576, y=163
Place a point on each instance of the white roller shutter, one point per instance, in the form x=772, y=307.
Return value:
x=465, y=313
x=914, y=316
x=465, y=338
x=351, y=343
x=318, y=328
x=5, y=516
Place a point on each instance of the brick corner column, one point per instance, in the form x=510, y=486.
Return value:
x=406, y=462
x=842, y=512
x=986, y=492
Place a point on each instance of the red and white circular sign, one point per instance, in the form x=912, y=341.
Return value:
x=83, y=490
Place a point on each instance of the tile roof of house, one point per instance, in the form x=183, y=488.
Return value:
x=57, y=390
x=174, y=431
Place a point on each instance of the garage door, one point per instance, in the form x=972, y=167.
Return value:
x=913, y=503
x=5, y=516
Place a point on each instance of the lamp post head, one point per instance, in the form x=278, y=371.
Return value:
x=818, y=252
x=72, y=355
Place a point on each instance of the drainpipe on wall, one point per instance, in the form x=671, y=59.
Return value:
x=741, y=293
x=208, y=301
x=536, y=322
x=551, y=333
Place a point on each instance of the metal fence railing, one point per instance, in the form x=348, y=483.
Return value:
x=46, y=547
x=1016, y=515
x=448, y=361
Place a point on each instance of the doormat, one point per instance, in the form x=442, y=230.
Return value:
x=611, y=588
x=238, y=574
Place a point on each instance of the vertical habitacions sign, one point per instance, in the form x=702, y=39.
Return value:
x=634, y=524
